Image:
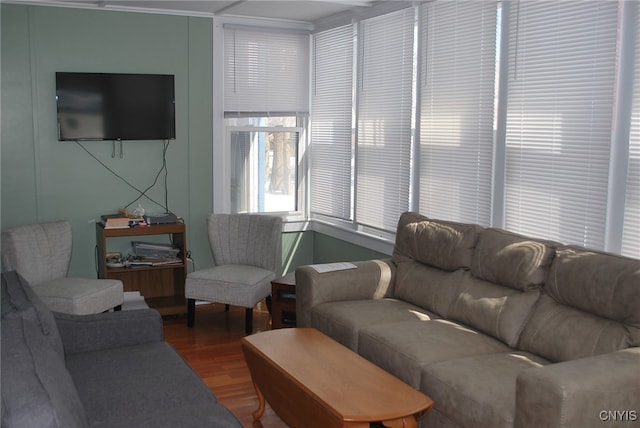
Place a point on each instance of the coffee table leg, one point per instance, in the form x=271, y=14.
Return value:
x=406, y=422
x=257, y=414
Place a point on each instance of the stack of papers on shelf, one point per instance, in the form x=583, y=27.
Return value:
x=146, y=262
x=150, y=250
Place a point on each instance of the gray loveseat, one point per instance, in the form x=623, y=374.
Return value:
x=499, y=329
x=105, y=370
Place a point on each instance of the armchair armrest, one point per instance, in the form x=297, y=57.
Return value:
x=82, y=333
x=372, y=279
x=588, y=392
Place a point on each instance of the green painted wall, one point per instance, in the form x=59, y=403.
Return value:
x=297, y=250
x=44, y=179
x=327, y=249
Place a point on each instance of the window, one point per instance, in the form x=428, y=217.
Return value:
x=266, y=113
x=514, y=114
x=384, y=110
x=264, y=164
x=458, y=76
x=562, y=71
x=631, y=223
x=331, y=125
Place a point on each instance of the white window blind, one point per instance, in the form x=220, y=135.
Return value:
x=457, y=110
x=631, y=224
x=384, y=119
x=562, y=65
x=266, y=72
x=332, y=106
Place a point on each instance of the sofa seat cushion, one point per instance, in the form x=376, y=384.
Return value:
x=484, y=386
x=240, y=285
x=343, y=319
x=404, y=348
x=146, y=385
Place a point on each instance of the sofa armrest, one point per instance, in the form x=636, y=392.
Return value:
x=586, y=392
x=82, y=333
x=372, y=279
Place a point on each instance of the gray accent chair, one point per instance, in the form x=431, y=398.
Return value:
x=246, y=251
x=41, y=253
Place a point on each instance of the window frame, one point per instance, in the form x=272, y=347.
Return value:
x=299, y=190
x=221, y=155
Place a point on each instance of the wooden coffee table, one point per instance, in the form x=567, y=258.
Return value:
x=310, y=380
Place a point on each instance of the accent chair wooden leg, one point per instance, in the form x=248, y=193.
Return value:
x=118, y=308
x=191, y=312
x=248, y=321
x=226, y=308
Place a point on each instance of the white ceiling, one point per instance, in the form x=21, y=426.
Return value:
x=293, y=10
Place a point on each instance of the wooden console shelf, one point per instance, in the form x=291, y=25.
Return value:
x=161, y=286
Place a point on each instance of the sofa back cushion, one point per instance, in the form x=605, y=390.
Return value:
x=498, y=294
x=37, y=389
x=441, y=244
x=511, y=260
x=500, y=312
x=591, y=306
x=431, y=288
x=17, y=295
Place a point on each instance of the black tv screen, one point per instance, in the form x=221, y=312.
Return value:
x=115, y=106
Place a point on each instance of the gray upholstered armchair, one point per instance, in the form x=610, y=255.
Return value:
x=246, y=252
x=41, y=253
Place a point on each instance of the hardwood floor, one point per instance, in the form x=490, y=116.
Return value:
x=212, y=348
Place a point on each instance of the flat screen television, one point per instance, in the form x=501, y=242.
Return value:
x=115, y=106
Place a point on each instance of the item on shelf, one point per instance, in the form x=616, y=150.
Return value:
x=152, y=250
x=114, y=260
x=115, y=221
x=138, y=261
x=166, y=218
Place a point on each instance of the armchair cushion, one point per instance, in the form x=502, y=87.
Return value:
x=80, y=296
x=240, y=285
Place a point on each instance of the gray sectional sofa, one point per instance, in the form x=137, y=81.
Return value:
x=499, y=329
x=106, y=370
